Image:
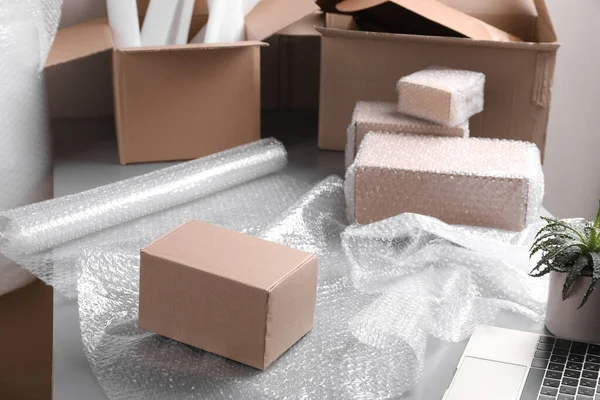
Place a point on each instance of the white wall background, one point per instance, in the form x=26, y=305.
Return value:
x=573, y=148
x=572, y=165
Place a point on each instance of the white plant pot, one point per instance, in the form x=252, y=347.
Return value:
x=564, y=320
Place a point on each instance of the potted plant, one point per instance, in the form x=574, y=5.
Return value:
x=570, y=253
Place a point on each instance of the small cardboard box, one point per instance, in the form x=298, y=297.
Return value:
x=475, y=181
x=379, y=116
x=231, y=294
x=358, y=65
x=178, y=102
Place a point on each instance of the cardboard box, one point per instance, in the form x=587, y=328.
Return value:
x=26, y=343
x=358, y=65
x=479, y=182
x=378, y=116
x=444, y=96
x=231, y=294
x=179, y=102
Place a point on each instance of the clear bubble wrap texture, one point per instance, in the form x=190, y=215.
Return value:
x=377, y=116
x=475, y=181
x=445, y=96
x=47, y=237
x=383, y=289
x=27, y=28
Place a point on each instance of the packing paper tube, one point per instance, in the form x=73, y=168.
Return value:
x=181, y=23
x=124, y=22
x=25, y=141
x=42, y=226
x=159, y=22
x=225, y=24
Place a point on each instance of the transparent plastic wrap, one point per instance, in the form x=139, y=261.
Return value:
x=445, y=96
x=26, y=30
x=480, y=182
x=48, y=237
x=372, y=320
x=438, y=279
x=383, y=289
x=376, y=116
x=330, y=362
x=44, y=14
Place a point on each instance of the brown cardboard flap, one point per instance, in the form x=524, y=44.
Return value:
x=200, y=7
x=270, y=16
x=432, y=40
x=80, y=41
x=305, y=26
x=441, y=14
x=193, y=47
x=514, y=7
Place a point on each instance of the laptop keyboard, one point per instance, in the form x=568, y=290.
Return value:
x=563, y=370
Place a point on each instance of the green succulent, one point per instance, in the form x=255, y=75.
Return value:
x=573, y=249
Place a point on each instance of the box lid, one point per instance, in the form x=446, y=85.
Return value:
x=306, y=26
x=80, y=41
x=439, y=13
x=228, y=254
x=270, y=16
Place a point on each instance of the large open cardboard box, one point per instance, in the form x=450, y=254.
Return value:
x=358, y=65
x=174, y=102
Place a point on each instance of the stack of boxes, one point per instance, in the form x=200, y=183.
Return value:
x=417, y=157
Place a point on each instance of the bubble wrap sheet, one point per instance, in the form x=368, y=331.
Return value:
x=48, y=237
x=27, y=28
x=383, y=290
x=402, y=281
x=476, y=181
x=376, y=116
x=445, y=96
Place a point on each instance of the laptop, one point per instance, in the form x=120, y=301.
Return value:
x=503, y=364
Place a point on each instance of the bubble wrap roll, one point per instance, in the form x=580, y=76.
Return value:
x=47, y=237
x=480, y=182
x=445, y=96
x=44, y=14
x=373, y=116
x=25, y=141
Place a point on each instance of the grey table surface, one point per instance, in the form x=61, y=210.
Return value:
x=86, y=157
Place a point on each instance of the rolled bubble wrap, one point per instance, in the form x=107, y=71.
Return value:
x=375, y=116
x=445, y=96
x=48, y=237
x=480, y=182
x=27, y=28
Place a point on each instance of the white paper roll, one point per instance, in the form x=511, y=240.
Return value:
x=25, y=141
x=124, y=22
x=159, y=20
x=181, y=23
x=225, y=21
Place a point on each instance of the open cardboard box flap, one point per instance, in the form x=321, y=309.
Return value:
x=441, y=14
x=271, y=16
x=266, y=19
x=80, y=41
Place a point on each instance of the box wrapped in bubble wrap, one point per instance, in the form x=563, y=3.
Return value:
x=481, y=182
x=377, y=116
x=445, y=96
